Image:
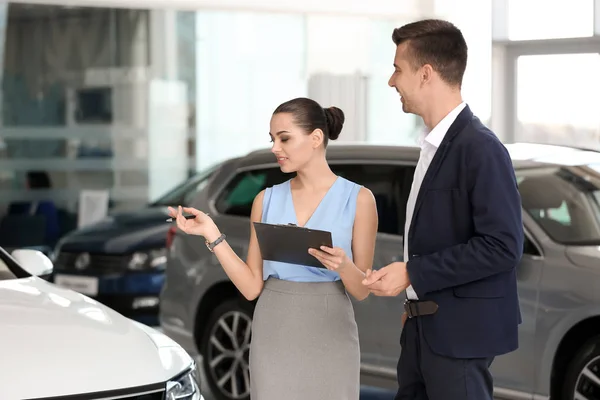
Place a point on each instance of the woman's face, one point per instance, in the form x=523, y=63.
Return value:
x=291, y=145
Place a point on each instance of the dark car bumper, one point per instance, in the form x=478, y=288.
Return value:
x=132, y=294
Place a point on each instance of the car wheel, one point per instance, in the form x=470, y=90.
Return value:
x=583, y=374
x=225, y=348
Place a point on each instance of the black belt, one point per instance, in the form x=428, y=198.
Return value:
x=415, y=308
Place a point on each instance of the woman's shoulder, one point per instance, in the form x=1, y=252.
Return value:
x=364, y=196
x=273, y=189
x=351, y=184
x=278, y=186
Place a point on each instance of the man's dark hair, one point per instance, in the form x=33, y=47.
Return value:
x=437, y=43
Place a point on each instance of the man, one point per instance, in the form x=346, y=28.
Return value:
x=463, y=236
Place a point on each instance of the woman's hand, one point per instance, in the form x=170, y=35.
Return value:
x=334, y=259
x=201, y=225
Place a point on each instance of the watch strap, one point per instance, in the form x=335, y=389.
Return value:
x=212, y=245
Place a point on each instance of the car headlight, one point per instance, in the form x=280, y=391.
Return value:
x=144, y=260
x=184, y=388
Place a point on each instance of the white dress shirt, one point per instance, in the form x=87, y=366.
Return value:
x=429, y=143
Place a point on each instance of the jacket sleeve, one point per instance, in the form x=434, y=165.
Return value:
x=497, y=243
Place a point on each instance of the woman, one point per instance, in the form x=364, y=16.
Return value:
x=304, y=336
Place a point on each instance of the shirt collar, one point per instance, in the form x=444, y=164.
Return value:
x=436, y=135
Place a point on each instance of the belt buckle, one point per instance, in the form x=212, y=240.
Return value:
x=408, y=308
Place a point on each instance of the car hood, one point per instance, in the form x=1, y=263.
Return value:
x=142, y=217
x=120, y=233
x=56, y=342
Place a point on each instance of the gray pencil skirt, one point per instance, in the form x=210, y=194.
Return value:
x=304, y=343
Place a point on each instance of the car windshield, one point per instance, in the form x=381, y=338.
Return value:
x=179, y=194
x=9, y=269
x=564, y=201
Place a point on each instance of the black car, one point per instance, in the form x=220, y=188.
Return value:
x=120, y=261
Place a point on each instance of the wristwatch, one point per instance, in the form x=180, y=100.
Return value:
x=212, y=245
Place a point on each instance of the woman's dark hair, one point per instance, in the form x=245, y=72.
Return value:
x=309, y=115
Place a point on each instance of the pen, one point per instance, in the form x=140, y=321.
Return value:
x=186, y=217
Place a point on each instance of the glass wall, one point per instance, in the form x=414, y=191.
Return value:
x=71, y=103
x=132, y=102
x=557, y=19
x=247, y=64
x=545, y=104
x=550, y=107
x=474, y=18
x=88, y=106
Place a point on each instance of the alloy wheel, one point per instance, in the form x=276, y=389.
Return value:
x=588, y=381
x=228, y=354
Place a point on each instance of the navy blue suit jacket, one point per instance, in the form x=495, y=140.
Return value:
x=465, y=241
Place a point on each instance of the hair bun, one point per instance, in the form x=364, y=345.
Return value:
x=335, y=121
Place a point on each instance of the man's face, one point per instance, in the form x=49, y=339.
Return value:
x=406, y=80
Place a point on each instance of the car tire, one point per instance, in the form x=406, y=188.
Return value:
x=585, y=361
x=225, y=348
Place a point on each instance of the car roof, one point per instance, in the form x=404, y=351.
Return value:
x=524, y=155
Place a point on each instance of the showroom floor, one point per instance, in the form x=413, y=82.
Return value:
x=366, y=393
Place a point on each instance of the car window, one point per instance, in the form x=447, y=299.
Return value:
x=192, y=190
x=529, y=247
x=238, y=195
x=563, y=202
x=5, y=272
x=187, y=190
x=390, y=185
x=9, y=269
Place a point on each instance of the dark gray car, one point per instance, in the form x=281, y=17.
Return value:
x=558, y=277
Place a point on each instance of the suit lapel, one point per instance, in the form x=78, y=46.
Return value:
x=457, y=126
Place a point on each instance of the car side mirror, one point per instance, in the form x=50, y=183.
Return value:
x=34, y=262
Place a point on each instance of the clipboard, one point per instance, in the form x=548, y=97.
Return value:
x=290, y=243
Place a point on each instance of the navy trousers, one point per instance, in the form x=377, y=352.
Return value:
x=425, y=375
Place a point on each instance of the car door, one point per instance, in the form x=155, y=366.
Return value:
x=516, y=370
x=379, y=318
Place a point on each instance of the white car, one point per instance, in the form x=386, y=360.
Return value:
x=57, y=343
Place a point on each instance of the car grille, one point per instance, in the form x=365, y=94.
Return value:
x=101, y=263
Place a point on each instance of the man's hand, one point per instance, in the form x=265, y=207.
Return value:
x=390, y=280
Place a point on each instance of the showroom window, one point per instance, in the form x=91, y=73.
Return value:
x=562, y=19
x=559, y=113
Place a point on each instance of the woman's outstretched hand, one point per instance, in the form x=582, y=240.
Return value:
x=201, y=225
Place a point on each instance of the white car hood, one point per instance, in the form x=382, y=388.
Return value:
x=56, y=342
